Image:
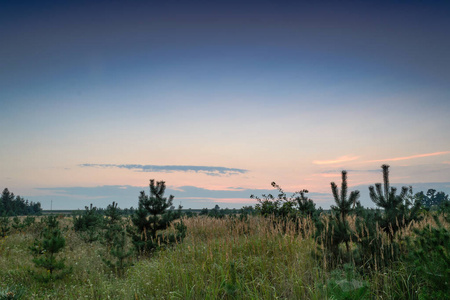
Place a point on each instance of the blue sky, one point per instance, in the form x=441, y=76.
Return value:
x=282, y=91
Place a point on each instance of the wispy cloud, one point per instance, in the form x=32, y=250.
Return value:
x=327, y=175
x=335, y=161
x=208, y=170
x=350, y=171
x=337, y=173
x=410, y=157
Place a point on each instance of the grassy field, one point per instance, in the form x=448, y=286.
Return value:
x=224, y=258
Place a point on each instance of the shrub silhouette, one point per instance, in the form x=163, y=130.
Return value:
x=398, y=210
x=377, y=228
x=284, y=207
x=152, y=217
x=342, y=209
x=334, y=229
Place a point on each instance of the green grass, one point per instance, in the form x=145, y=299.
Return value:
x=219, y=259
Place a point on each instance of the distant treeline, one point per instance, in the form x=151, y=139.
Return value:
x=215, y=212
x=11, y=205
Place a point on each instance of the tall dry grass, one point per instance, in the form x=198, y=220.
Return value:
x=229, y=258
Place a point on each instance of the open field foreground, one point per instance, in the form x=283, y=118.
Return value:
x=228, y=258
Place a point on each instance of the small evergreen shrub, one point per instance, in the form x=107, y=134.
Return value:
x=28, y=221
x=17, y=224
x=88, y=224
x=378, y=231
x=4, y=225
x=152, y=218
x=46, y=249
x=117, y=256
x=334, y=229
x=399, y=211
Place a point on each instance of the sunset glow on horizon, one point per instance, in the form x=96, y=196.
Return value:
x=220, y=99
x=411, y=157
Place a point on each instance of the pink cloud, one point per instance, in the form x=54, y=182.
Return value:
x=410, y=157
x=335, y=161
x=325, y=175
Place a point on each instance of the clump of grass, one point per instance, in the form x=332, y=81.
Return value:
x=12, y=292
x=262, y=264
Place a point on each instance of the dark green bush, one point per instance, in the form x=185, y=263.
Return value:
x=399, y=210
x=152, y=218
x=88, y=224
x=118, y=255
x=297, y=208
x=284, y=207
x=4, y=225
x=46, y=248
x=334, y=230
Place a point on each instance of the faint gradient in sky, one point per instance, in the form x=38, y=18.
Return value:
x=280, y=90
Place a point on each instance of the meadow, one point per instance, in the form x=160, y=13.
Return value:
x=233, y=257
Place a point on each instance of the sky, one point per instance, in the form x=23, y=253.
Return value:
x=220, y=98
